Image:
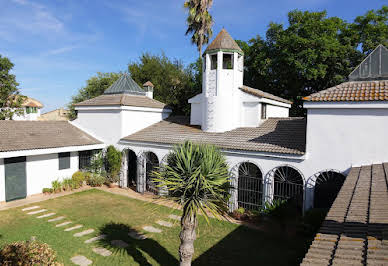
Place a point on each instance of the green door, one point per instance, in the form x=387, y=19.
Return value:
x=15, y=178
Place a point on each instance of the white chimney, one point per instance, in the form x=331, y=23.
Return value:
x=149, y=89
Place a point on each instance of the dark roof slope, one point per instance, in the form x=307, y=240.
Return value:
x=263, y=94
x=123, y=100
x=275, y=135
x=223, y=41
x=125, y=84
x=355, y=230
x=29, y=135
x=353, y=91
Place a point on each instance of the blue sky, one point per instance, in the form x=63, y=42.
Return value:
x=56, y=45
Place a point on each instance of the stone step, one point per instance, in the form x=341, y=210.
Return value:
x=73, y=228
x=136, y=235
x=95, y=239
x=63, y=224
x=164, y=223
x=84, y=233
x=119, y=243
x=174, y=217
x=152, y=229
x=81, y=260
x=36, y=212
x=46, y=215
x=102, y=251
x=30, y=208
x=56, y=219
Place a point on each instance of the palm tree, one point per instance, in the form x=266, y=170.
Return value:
x=199, y=22
x=197, y=178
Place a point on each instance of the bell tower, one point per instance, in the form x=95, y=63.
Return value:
x=223, y=75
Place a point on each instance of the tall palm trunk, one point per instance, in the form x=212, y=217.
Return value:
x=187, y=236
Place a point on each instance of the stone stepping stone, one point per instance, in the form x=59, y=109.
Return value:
x=174, y=217
x=56, y=219
x=164, y=223
x=30, y=208
x=152, y=229
x=84, y=233
x=81, y=260
x=73, y=228
x=36, y=212
x=102, y=251
x=95, y=239
x=119, y=243
x=136, y=235
x=46, y=215
x=63, y=224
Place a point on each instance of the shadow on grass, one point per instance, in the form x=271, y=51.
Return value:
x=135, y=248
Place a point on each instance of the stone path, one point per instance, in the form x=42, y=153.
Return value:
x=73, y=228
x=30, y=208
x=136, y=235
x=46, y=215
x=56, y=219
x=119, y=243
x=36, y=212
x=174, y=217
x=84, y=233
x=81, y=260
x=164, y=223
x=63, y=224
x=95, y=239
x=152, y=229
x=102, y=251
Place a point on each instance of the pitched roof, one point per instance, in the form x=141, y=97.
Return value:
x=354, y=231
x=353, y=91
x=275, y=135
x=263, y=94
x=31, y=102
x=29, y=135
x=223, y=41
x=125, y=84
x=123, y=100
x=149, y=84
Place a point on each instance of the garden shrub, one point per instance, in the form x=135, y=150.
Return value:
x=47, y=190
x=67, y=184
x=96, y=180
x=27, y=253
x=113, y=164
x=78, y=178
x=57, y=186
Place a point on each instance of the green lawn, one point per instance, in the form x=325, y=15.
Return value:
x=221, y=243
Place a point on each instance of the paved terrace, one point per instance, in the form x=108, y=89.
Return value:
x=355, y=231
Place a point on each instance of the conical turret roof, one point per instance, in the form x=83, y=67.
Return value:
x=224, y=42
x=125, y=84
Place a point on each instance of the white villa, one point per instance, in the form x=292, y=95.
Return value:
x=31, y=110
x=270, y=155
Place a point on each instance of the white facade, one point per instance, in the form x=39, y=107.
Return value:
x=27, y=116
x=111, y=123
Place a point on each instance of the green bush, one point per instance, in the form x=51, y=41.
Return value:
x=57, y=186
x=27, y=253
x=47, y=190
x=96, y=180
x=273, y=207
x=78, y=178
x=113, y=164
x=67, y=184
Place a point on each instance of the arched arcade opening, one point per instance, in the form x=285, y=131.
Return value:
x=250, y=186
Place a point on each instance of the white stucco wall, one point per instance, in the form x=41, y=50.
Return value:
x=2, y=180
x=28, y=117
x=196, y=114
x=277, y=111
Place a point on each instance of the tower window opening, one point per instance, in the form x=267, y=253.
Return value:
x=213, y=59
x=227, y=61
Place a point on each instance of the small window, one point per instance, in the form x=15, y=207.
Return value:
x=28, y=110
x=227, y=61
x=263, y=111
x=213, y=59
x=64, y=160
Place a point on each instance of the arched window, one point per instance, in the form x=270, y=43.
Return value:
x=152, y=163
x=250, y=186
x=132, y=169
x=327, y=186
x=288, y=184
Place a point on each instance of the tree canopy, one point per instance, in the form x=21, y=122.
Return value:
x=313, y=53
x=10, y=100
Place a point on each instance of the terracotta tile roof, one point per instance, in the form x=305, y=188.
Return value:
x=123, y=100
x=223, y=41
x=148, y=84
x=29, y=135
x=31, y=102
x=353, y=91
x=263, y=94
x=275, y=135
x=355, y=230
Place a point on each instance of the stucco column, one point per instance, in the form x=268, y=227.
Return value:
x=124, y=170
x=233, y=204
x=141, y=174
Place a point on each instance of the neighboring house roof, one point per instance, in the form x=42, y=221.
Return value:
x=55, y=115
x=29, y=135
x=123, y=100
x=353, y=91
x=31, y=102
x=148, y=84
x=223, y=41
x=275, y=135
x=354, y=231
x=259, y=93
x=125, y=84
